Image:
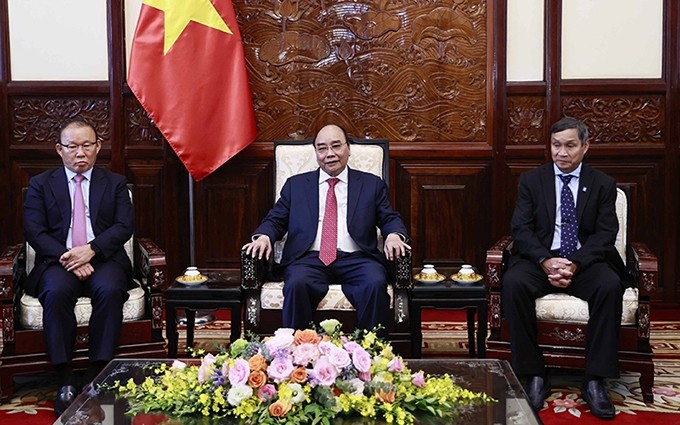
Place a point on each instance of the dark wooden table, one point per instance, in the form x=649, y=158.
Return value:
x=494, y=377
x=450, y=295
x=221, y=290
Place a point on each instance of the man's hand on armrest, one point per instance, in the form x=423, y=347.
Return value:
x=259, y=247
x=395, y=247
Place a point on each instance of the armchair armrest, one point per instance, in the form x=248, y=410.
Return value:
x=150, y=263
x=11, y=271
x=496, y=261
x=253, y=271
x=643, y=265
x=400, y=271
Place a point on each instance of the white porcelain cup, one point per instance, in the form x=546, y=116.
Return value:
x=428, y=269
x=191, y=271
x=466, y=270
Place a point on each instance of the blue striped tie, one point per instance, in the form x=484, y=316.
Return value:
x=569, y=228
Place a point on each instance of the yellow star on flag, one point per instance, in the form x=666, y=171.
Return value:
x=178, y=13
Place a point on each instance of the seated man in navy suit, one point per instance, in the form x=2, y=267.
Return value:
x=331, y=215
x=564, y=228
x=78, y=218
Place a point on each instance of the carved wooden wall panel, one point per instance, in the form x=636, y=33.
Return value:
x=526, y=120
x=618, y=118
x=36, y=120
x=404, y=70
x=140, y=129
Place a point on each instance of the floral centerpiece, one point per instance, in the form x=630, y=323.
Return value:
x=299, y=377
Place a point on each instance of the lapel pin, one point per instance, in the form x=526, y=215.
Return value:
x=585, y=189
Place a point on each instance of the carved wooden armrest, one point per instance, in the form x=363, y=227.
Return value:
x=150, y=260
x=644, y=266
x=11, y=268
x=495, y=261
x=401, y=271
x=253, y=271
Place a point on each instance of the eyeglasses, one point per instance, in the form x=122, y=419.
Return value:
x=335, y=147
x=73, y=148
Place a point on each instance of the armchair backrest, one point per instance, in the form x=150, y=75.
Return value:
x=622, y=215
x=30, y=252
x=293, y=157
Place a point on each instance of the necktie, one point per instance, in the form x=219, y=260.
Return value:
x=329, y=227
x=569, y=228
x=79, y=230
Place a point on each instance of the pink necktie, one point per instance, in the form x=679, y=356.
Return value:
x=79, y=230
x=329, y=228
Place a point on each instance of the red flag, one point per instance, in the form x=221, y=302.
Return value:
x=188, y=70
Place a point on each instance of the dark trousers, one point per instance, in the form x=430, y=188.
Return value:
x=58, y=293
x=363, y=279
x=598, y=284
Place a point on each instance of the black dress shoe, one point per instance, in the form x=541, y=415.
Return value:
x=65, y=397
x=598, y=400
x=537, y=391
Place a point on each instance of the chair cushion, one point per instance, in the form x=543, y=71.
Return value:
x=31, y=312
x=271, y=298
x=566, y=308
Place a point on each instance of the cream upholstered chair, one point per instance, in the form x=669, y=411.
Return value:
x=23, y=344
x=562, y=319
x=263, y=295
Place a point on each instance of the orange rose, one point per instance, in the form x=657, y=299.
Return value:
x=385, y=397
x=257, y=379
x=306, y=336
x=279, y=408
x=299, y=375
x=257, y=363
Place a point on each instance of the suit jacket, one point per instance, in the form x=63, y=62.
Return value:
x=297, y=212
x=533, y=222
x=47, y=217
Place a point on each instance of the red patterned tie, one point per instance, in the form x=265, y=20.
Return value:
x=329, y=227
x=79, y=230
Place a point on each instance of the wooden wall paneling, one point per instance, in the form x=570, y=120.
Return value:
x=229, y=205
x=671, y=269
x=5, y=168
x=448, y=211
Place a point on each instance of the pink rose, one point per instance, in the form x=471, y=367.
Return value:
x=239, y=372
x=361, y=360
x=206, y=368
x=304, y=354
x=339, y=357
x=280, y=368
x=395, y=365
x=351, y=346
x=266, y=392
x=324, y=372
x=178, y=365
x=365, y=376
x=418, y=379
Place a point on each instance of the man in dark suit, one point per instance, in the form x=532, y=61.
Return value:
x=562, y=247
x=74, y=260
x=353, y=258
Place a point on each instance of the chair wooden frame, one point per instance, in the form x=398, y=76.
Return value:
x=563, y=344
x=254, y=273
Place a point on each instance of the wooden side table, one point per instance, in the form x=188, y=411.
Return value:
x=221, y=290
x=450, y=295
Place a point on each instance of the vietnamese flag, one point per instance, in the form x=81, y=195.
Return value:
x=188, y=70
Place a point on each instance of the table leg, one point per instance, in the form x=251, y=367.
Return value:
x=235, y=322
x=471, y=329
x=416, y=331
x=482, y=330
x=171, y=330
x=191, y=320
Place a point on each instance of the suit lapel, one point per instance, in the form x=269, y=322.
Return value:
x=354, y=184
x=312, y=188
x=548, y=183
x=97, y=187
x=584, y=185
x=59, y=188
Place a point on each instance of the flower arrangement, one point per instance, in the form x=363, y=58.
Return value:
x=300, y=377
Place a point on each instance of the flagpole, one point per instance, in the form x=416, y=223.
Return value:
x=192, y=230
